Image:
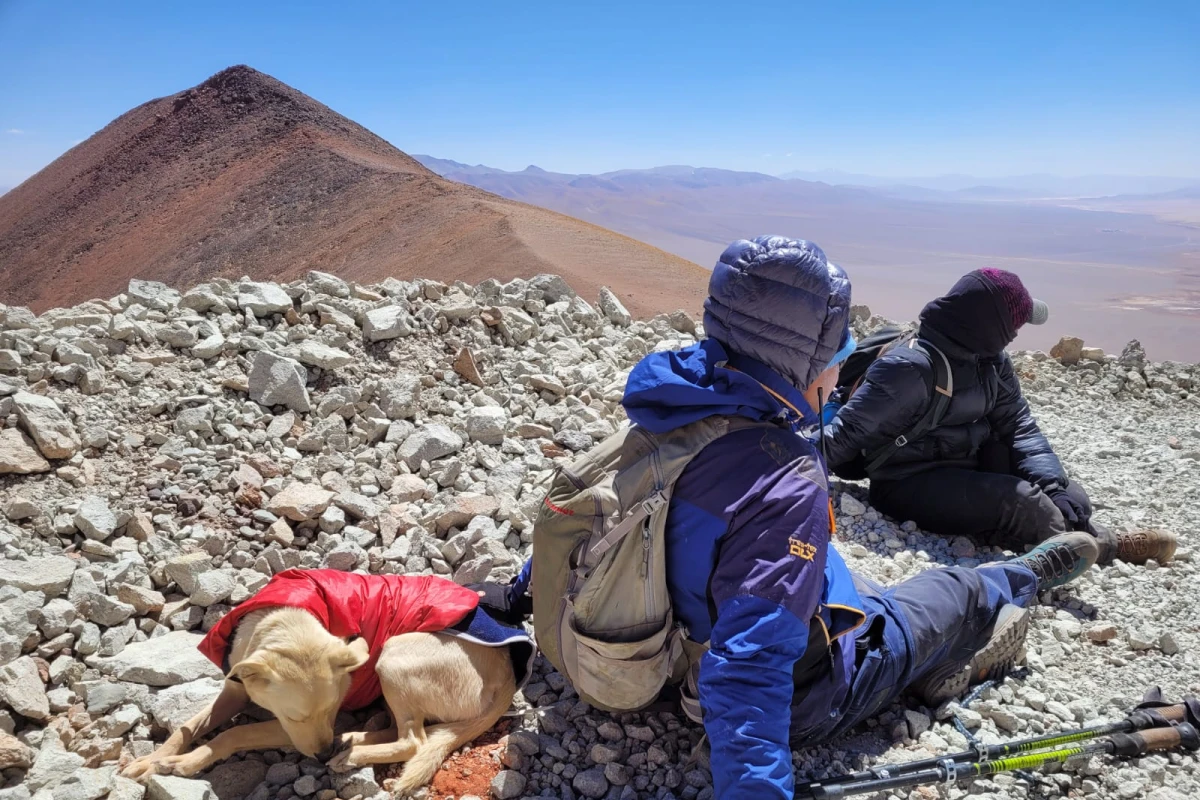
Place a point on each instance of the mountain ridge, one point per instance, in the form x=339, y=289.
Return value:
x=242, y=174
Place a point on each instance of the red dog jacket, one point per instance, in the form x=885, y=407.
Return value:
x=375, y=607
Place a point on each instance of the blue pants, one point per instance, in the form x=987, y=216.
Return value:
x=939, y=616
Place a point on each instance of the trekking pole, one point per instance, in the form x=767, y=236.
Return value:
x=1129, y=745
x=1138, y=720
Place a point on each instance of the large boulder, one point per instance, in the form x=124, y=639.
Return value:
x=301, y=501
x=263, y=299
x=389, y=322
x=41, y=417
x=152, y=294
x=18, y=455
x=487, y=424
x=613, y=308
x=175, y=705
x=429, y=443
x=316, y=354
x=50, y=575
x=164, y=661
x=22, y=690
x=95, y=519
x=276, y=380
x=400, y=397
x=1068, y=350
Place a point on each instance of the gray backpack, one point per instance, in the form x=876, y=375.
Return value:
x=602, y=613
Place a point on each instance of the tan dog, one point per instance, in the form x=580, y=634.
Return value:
x=285, y=661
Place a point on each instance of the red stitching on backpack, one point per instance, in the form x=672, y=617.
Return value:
x=553, y=507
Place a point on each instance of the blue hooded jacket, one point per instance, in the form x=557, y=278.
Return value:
x=749, y=567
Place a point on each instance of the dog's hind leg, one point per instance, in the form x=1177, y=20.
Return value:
x=431, y=676
x=259, y=736
x=228, y=704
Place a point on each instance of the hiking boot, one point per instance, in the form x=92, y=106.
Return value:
x=1061, y=559
x=1000, y=654
x=1138, y=547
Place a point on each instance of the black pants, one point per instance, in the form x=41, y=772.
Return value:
x=990, y=505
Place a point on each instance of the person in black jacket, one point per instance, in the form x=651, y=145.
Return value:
x=985, y=471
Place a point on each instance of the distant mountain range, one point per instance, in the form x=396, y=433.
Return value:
x=1101, y=263
x=954, y=188
x=1025, y=186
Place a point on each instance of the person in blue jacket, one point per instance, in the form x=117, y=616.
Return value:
x=799, y=649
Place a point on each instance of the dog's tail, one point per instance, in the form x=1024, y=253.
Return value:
x=444, y=738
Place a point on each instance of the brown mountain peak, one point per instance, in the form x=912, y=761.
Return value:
x=243, y=174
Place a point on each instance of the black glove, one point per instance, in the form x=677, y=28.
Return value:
x=1075, y=514
x=502, y=604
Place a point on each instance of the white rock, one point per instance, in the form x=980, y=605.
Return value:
x=22, y=690
x=18, y=456
x=165, y=661
x=429, y=443
x=52, y=765
x=400, y=397
x=324, y=283
x=209, y=347
x=212, y=587
x=169, y=787
x=851, y=506
x=95, y=519
x=275, y=380
x=152, y=294
x=316, y=354
x=175, y=705
x=487, y=424
x=50, y=575
x=613, y=308
x=263, y=299
x=41, y=417
x=388, y=322
x=301, y=501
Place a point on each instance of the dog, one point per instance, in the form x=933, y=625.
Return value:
x=284, y=654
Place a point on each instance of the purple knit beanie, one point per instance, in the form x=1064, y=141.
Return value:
x=1022, y=308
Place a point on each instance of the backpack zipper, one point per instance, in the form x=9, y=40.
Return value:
x=651, y=611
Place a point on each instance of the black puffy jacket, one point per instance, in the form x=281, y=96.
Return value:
x=971, y=326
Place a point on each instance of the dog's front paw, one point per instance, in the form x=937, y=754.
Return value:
x=184, y=766
x=344, y=761
x=141, y=769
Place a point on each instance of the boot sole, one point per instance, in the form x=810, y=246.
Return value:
x=1004, y=649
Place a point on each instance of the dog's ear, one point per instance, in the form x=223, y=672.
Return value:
x=350, y=657
x=250, y=670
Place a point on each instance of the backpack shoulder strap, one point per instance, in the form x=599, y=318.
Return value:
x=690, y=439
x=943, y=392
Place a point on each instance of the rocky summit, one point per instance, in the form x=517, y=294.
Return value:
x=165, y=452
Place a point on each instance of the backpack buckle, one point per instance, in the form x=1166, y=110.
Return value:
x=901, y=440
x=653, y=503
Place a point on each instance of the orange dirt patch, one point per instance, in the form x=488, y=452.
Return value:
x=467, y=772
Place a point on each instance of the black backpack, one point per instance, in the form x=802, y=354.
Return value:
x=854, y=371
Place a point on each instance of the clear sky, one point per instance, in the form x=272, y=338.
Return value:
x=888, y=88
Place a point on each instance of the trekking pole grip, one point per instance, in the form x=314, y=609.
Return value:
x=1174, y=714
x=1156, y=739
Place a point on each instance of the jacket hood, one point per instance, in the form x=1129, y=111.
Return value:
x=671, y=389
x=972, y=319
x=781, y=303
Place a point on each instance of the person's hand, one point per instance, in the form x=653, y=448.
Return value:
x=1075, y=514
x=500, y=604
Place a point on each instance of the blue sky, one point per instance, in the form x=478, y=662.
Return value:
x=884, y=88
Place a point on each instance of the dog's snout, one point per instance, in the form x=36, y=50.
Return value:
x=326, y=752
